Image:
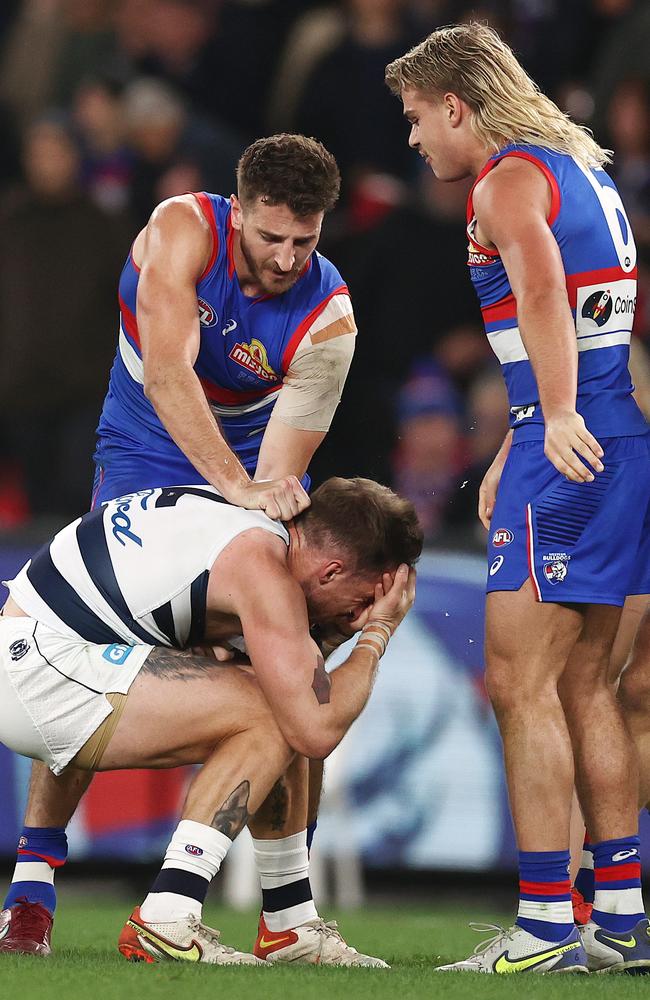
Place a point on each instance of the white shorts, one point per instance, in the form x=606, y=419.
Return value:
x=53, y=687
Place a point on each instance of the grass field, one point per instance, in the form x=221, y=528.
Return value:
x=87, y=964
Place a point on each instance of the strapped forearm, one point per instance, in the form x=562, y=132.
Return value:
x=351, y=684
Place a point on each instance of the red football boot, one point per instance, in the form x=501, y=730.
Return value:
x=581, y=909
x=25, y=928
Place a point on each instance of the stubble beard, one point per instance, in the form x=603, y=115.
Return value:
x=257, y=272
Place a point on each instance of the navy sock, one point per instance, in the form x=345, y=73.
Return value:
x=311, y=830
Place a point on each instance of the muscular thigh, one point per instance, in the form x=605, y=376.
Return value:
x=180, y=706
x=526, y=639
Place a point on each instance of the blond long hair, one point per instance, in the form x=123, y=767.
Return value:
x=472, y=61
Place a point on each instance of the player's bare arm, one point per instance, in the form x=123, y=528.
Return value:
x=512, y=205
x=487, y=493
x=172, y=253
x=286, y=450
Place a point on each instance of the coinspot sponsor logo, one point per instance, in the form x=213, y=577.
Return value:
x=195, y=851
x=598, y=307
x=501, y=537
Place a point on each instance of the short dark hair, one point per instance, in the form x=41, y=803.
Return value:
x=289, y=170
x=379, y=528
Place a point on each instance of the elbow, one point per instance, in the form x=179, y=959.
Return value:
x=315, y=745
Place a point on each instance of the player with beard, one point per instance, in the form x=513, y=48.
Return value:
x=234, y=344
x=103, y=676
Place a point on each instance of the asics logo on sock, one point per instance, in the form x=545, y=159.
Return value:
x=624, y=855
x=4, y=930
x=505, y=964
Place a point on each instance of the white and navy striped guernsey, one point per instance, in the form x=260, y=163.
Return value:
x=135, y=570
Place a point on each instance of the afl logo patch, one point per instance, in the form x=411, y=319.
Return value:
x=207, y=315
x=501, y=537
x=194, y=850
x=598, y=307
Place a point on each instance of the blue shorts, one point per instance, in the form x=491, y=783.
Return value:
x=583, y=543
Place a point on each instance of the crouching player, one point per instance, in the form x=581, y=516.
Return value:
x=96, y=671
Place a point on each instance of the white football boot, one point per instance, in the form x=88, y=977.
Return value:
x=313, y=943
x=186, y=940
x=515, y=950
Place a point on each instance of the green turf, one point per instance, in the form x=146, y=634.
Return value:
x=87, y=965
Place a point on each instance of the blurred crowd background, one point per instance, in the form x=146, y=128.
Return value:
x=109, y=106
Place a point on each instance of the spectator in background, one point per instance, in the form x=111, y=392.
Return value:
x=366, y=134
x=430, y=449
x=107, y=160
x=220, y=55
x=60, y=256
x=486, y=423
x=169, y=142
x=412, y=294
x=628, y=121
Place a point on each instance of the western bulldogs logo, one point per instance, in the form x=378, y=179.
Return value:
x=555, y=572
x=207, y=315
x=501, y=537
x=598, y=307
x=194, y=850
x=18, y=649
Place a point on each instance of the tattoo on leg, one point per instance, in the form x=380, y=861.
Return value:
x=321, y=684
x=279, y=805
x=233, y=815
x=179, y=664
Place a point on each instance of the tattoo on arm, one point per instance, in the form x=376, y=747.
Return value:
x=179, y=664
x=321, y=684
x=233, y=815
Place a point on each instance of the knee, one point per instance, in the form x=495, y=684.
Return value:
x=504, y=692
x=518, y=686
x=634, y=688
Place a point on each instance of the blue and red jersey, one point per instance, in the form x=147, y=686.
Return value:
x=598, y=252
x=246, y=347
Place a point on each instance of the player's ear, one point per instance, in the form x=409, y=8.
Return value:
x=453, y=108
x=235, y=211
x=330, y=571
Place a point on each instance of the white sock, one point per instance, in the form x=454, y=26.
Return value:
x=192, y=859
x=283, y=867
